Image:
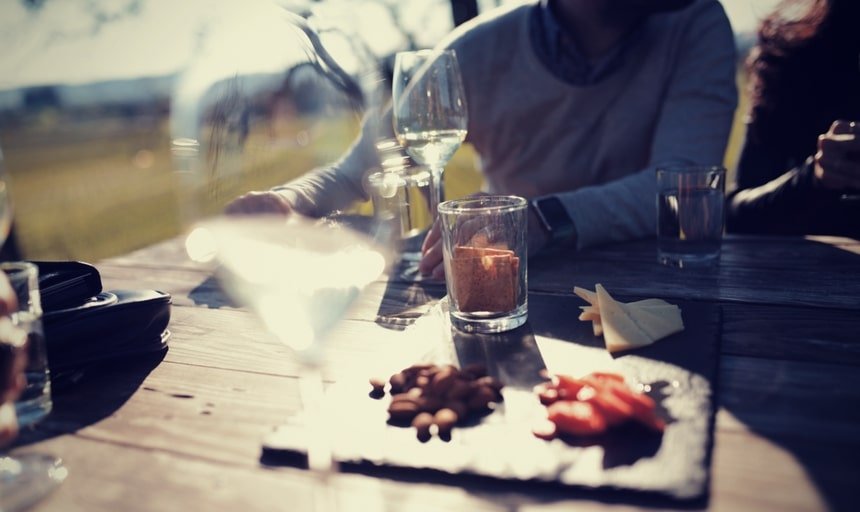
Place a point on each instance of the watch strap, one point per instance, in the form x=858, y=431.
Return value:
x=555, y=220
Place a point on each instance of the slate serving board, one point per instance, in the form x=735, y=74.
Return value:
x=679, y=372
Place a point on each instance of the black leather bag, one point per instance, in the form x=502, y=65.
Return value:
x=85, y=325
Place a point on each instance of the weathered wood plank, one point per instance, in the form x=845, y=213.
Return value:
x=218, y=415
x=816, y=272
x=783, y=332
x=754, y=473
x=763, y=274
x=736, y=248
x=187, y=286
x=789, y=398
x=236, y=340
x=793, y=333
x=223, y=357
x=108, y=477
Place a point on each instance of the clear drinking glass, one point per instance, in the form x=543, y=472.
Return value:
x=400, y=191
x=690, y=215
x=430, y=115
x=35, y=400
x=485, y=254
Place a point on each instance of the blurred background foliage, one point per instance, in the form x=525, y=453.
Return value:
x=85, y=99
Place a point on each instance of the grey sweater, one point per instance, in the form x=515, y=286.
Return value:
x=670, y=101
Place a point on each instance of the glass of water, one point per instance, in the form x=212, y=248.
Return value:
x=35, y=400
x=401, y=194
x=690, y=216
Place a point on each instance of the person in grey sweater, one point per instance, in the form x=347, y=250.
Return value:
x=572, y=101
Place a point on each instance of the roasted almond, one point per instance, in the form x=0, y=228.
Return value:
x=377, y=388
x=481, y=398
x=403, y=411
x=443, y=381
x=422, y=423
x=422, y=381
x=398, y=382
x=458, y=407
x=445, y=419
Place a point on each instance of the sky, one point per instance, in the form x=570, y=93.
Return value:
x=83, y=41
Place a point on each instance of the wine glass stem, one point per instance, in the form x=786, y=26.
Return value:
x=321, y=461
x=436, y=192
x=320, y=458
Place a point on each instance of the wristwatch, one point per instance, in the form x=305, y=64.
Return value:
x=555, y=220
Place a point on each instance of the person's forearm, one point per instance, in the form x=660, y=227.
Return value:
x=339, y=185
x=781, y=206
x=624, y=209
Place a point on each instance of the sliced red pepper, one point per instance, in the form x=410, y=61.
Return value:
x=643, y=407
x=615, y=410
x=606, y=377
x=577, y=418
x=545, y=430
x=567, y=386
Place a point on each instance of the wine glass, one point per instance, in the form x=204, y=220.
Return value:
x=429, y=110
x=27, y=478
x=266, y=100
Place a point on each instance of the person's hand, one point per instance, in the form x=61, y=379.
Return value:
x=8, y=299
x=837, y=162
x=431, y=253
x=266, y=201
x=8, y=423
x=431, y=264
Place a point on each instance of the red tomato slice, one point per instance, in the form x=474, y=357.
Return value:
x=545, y=430
x=577, y=418
x=546, y=392
x=548, y=396
x=615, y=410
x=642, y=405
x=567, y=386
x=606, y=376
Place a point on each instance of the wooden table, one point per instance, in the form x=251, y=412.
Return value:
x=184, y=432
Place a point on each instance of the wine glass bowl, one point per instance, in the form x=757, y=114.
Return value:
x=430, y=115
x=297, y=275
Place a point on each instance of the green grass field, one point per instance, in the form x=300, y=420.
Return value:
x=90, y=190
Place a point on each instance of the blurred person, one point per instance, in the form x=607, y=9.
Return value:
x=799, y=170
x=573, y=104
